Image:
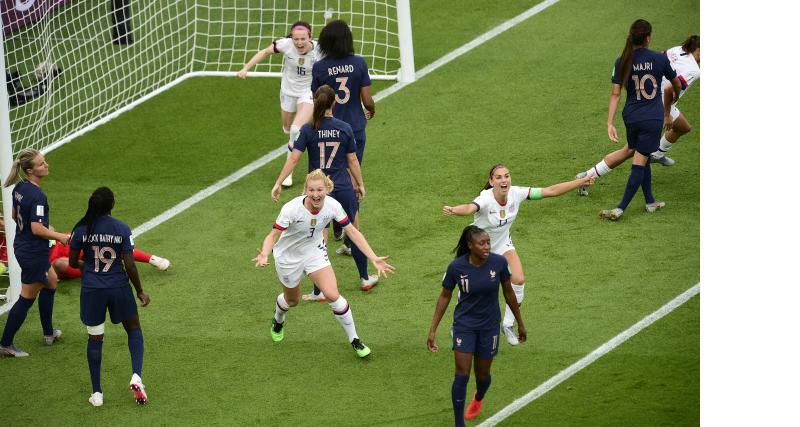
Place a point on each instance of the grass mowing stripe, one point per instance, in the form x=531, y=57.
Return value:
x=272, y=155
x=591, y=357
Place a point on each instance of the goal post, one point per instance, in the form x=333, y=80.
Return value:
x=76, y=65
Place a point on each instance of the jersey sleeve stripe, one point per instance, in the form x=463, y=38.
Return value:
x=476, y=205
x=275, y=46
x=344, y=222
x=529, y=193
x=684, y=85
x=278, y=227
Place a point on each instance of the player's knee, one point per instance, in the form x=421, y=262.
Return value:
x=518, y=279
x=291, y=300
x=686, y=128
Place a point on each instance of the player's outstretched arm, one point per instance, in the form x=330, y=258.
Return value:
x=378, y=261
x=133, y=276
x=288, y=167
x=258, y=57
x=46, y=233
x=460, y=210
x=441, y=307
x=565, y=187
x=262, y=258
x=511, y=301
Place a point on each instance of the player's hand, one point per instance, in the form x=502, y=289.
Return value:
x=261, y=259
x=588, y=180
x=667, y=122
x=522, y=333
x=369, y=114
x=361, y=192
x=382, y=266
x=447, y=210
x=432, y=347
x=242, y=74
x=143, y=297
x=276, y=192
x=64, y=239
x=612, y=133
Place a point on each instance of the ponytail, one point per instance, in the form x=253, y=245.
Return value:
x=637, y=35
x=23, y=162
x=466, y=236
x=100, y=203
x=691, y=44
x=323, y=100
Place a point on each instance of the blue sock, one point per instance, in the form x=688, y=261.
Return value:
x=361, y=261
x=647, y=184
x=459, y=394
x=316, y=290
x=16, y=317
x=136, y=347
x=94, y=355
x=47, y=297
x=634, y=181
x=483, y=385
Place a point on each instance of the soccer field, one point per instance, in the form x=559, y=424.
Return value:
x=535, y=98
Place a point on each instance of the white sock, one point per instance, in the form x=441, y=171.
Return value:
x=665, y=145
x=294, y=132
x=281, y=307
x=519, y=291
x=599, y=169
x=342, y=312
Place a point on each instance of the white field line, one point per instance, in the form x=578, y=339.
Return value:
x=241, y=173
x=599, y=352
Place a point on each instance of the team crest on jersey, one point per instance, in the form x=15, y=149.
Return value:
x=301, y=60
x=492, y=274
x=502, y=213
x=313, y=222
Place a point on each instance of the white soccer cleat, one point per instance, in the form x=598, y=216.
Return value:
x=288, y=181
x=96, y=399
x=12, y=351
x=312, y=297
x=159, y=263
x=138, y=389
x=50, y=339
x=663, y=160
x=652, y=207
x=511, y=337
x=583, y=190
x=367, y=284
x=344, y=250
x=611, y=214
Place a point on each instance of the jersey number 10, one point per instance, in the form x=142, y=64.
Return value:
x=640, y=89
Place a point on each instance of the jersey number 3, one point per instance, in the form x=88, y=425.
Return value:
x=342, y=87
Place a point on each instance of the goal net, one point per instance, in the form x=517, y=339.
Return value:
x=72, y=65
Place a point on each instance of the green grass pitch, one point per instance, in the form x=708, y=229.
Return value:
x=534, y=98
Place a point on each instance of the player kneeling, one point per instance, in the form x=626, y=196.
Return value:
x=297, y=244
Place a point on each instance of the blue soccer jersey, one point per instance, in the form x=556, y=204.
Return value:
x=644, y=100
x=346, y=76
x=102, y=252
x=328, y=148
x=30, y=204
x=477, y=307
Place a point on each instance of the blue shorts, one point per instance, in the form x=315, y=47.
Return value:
x=34, y=269
x=644, y=136
x=347, y=198
x=119, y=301
x=361, y=142
x=483, y=343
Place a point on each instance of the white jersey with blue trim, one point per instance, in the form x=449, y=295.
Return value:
x=685, y=66
x=296, y=80
x=301, y=229
x=497, y=218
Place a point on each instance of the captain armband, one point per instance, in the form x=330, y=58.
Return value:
x=535, y=194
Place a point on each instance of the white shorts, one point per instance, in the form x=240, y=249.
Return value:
x=289, y=103
x=502, y=245
x=291, y=270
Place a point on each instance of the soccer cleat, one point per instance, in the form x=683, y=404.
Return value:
x=611, y=214
x=367, y=284
x=50, y=339
x=361, y=350
x=663, y=160
x=473, y=409
x=276, y=331
x=12, y=351
x=287, y=182
x=583, y=190
x=344, y=250
x=652, y=207
x=511, y=337
x=314, y=297
x=138, y=390
x=159, y=263
x=96, y=399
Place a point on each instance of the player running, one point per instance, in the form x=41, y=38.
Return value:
x=299, y=55
x=298, y=247
x=108, y=271
x=495, y=210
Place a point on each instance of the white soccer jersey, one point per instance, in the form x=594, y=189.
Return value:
x=296, y=79
x=495, y=218
x=685, y=66
x=302, y=229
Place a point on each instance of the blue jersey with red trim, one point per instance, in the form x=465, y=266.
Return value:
x=103, y=248
x=346, y=76
x=30, y=205
x=477, y=306
x=328, y=148
x=644, y=100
